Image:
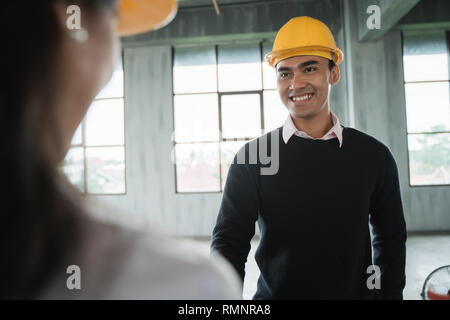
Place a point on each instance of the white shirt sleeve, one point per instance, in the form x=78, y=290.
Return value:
x=117, y=263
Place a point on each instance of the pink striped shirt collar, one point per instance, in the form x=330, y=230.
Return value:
x=289, y=129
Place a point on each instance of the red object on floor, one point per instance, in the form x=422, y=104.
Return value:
x=437, y=296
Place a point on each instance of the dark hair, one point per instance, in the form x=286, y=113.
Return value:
x=331, y=64
x=40, y=214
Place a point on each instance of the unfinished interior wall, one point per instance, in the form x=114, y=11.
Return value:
x=377, y=96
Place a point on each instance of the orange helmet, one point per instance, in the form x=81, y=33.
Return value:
x=137, y=16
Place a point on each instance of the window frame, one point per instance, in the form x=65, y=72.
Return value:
x=447, y=43
x=83, y=146
x=220, y=94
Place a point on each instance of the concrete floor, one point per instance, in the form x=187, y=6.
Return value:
x=424, y=253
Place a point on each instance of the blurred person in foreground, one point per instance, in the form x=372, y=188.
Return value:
x=51, y=75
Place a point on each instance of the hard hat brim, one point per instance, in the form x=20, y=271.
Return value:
x=138, y=16
x=335, y=55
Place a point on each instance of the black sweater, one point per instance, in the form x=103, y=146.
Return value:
x=313, y=216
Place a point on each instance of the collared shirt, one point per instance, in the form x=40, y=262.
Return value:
x=289, y=129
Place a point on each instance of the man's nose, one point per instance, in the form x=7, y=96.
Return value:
x=298, y=82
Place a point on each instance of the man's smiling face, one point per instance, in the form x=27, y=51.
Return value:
x=304, y=84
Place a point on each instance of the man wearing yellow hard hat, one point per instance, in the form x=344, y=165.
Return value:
x=332, y=181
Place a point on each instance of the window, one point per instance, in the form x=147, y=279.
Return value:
x=426, y=74
x=224, y=95
x=95, y=163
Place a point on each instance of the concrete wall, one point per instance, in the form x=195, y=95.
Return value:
x=372, y=102
x=380, y=110
x=150, y=171
x=426, y=12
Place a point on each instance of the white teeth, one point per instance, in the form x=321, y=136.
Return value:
x=302, y=98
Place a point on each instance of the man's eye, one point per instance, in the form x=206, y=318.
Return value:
x=310, y=69
x=284, y=75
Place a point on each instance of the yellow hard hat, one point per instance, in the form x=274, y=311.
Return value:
x=137, y=16
x=304, y=36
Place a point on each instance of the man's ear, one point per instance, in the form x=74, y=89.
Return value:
x=60, y=11
x=335, y=75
